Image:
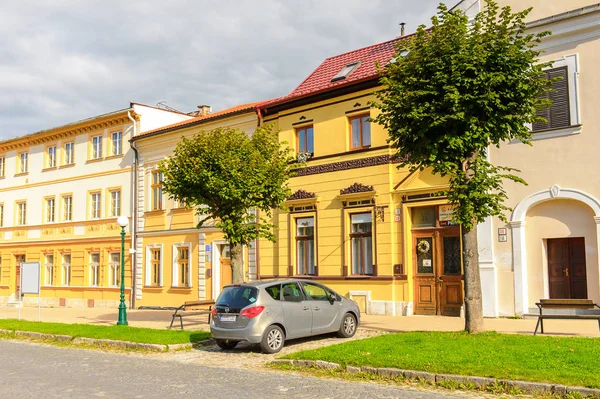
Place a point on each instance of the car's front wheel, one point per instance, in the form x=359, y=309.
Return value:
x=348, y=326
x=273, y=340
x=226, y=344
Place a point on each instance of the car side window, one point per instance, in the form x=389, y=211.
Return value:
x=274, y=291
x=291, y=292
x=315, y=292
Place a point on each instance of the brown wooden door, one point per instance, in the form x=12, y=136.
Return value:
x=438, y=272
x=567, y=277
x=226, y=272
x=18, y=260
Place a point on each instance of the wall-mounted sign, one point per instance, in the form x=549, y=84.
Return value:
x=502, y=234
x=208, y=248
x=397, y=218
x=445, y=215
x=427, y=262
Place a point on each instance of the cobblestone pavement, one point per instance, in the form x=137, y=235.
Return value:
x=39, y=371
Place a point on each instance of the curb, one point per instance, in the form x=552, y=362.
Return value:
x=443, y=379
x=104, y=342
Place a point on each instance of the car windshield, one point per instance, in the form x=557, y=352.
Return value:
x=237, y=296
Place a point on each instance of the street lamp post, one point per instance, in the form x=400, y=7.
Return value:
x=122, y=221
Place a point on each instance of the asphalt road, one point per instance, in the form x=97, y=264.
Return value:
x=38, y=371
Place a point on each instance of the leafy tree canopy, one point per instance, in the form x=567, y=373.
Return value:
x=225, y=173
x=457, y=88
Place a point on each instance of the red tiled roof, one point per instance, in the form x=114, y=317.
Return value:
x=320, y=79
x=201, y=119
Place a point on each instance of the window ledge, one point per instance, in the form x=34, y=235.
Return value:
x=67, y=165
x=156, y=287
x=115, y=156
x=95, y=160
x=549, y=134
x=178, y=210
x=155, y=212
x=21, y=174
x=175, y=287
x=49, y=169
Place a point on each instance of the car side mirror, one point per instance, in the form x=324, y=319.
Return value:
x=331, y=298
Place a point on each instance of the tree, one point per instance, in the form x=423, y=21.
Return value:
x=233, y=178
x=452, y=91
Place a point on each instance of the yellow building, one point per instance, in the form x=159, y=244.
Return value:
x=179, y=262
x=61, y=191
x=357, y=223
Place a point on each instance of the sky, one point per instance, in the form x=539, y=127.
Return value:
x=66, y=60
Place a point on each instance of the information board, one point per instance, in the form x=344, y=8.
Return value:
x=30, y=278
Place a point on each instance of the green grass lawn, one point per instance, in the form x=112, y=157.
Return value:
x=564, y=360
x=121, y=333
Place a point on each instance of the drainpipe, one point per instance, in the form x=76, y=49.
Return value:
x=134, y=205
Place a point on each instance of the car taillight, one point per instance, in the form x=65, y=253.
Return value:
x=214, y=312
x=252, y=312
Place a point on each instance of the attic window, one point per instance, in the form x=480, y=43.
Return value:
x=346, y=71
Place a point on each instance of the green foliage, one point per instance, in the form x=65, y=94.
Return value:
x=224, y=173
x=457, y=88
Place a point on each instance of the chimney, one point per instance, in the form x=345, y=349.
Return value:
x=203, y=110
x=402, y=28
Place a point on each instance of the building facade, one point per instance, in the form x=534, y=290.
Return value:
x=61, y=191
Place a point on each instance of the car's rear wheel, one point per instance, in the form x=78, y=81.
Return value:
x=348, y=326
x=273, y=339
x=226, y=344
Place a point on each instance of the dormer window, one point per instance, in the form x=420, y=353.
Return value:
x=346, y=71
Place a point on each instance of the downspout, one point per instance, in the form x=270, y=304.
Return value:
x=134, y=200
x=257, y=252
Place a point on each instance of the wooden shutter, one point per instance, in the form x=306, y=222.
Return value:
x=558, y=115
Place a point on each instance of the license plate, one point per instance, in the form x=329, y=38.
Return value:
x=227, y=318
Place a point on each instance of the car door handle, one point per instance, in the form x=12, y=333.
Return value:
x=317, y=308
x=305, y=308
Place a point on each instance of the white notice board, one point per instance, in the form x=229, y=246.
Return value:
x=30, y=278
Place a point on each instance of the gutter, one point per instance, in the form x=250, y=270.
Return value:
x=134, y=205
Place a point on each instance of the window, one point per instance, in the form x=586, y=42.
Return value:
x=291, y=293
x=305, y=245
x=305, y=139
x=66, y=269
x=96, y=147
x=23, y=158
x=157, y=178
x=49, y=258
x=115, y=269
x=116, y=139
x=361, y=243
x=423, y=216
x=155, y=271
x=2, y=166
x=51, y=157
x=360, y=132
x=274, y=291
x=345, y=72
x=94, y=269
x=95, y=205
x=69, y=153
x=558, y=115
x=315, y=292
x=183, y=266
x=115, y=203
x=21, y=213
x=67, y=208
x=50, y=202
x=1, y=215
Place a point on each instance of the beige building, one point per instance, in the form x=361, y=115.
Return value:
x=550, y=247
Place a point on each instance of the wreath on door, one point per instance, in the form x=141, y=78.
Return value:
x=423, y=246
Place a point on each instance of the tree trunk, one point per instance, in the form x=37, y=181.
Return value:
x=237, y=264
x=473, y=303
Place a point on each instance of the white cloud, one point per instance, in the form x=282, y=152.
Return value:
x=66, y=60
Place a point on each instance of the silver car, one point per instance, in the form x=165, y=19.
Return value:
x=270, y=312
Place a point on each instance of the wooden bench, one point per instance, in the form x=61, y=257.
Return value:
x=183, y=311
x=565, y=304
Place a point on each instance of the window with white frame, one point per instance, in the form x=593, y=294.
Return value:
x=115, y=269
x=69, y=156
x=50, y=207
x=1, y=215
x=181, y=266
x=95, y=205
x=66, y=269
x=115, y=203
x=49, y=266
x=361, y=243
x=94, y=269
x=153, y=273
x=67, y=208
x=2, y=166
x=563, y=114
x=156, y=186
x=51, y=157
x=23, y=162
x=96, y=147
x=305, y=245
x=117, y=143
x=21, y=213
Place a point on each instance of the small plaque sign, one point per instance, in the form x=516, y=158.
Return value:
x=208, y=248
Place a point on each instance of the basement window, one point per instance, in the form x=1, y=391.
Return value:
x=346, y=71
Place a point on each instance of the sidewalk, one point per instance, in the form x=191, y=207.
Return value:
x=162, y=318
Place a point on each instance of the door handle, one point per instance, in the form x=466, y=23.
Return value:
x=566, y=272
x=305, y=308
x=317, y=308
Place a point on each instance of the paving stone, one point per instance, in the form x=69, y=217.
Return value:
x=34, y=335
x=369, y=370
x=352, y=370
x=420, y=375
x=389, y=372
x=459, y=379
x=481, y=382
x=559, y=390
x=282, y=362
x=585, y=392
x=527, y=386
x=7, y=332
x=178, y=347
x=304, y=363
x=120, y=344
x=326, y=365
